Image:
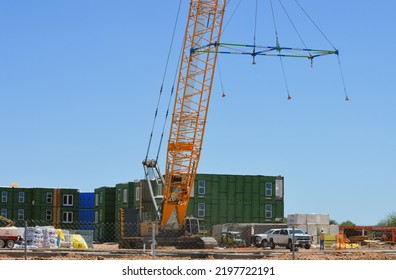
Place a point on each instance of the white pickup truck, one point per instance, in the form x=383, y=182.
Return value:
x=260, y=239
x=284, y=237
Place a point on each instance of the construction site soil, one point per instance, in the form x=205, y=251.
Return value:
x=111, y=252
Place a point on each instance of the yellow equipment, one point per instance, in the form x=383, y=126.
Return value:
x=8, y=222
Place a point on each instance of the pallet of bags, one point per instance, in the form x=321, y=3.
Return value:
x=49, y=237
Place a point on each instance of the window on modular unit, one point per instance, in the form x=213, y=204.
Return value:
x=137, y=193
x=268, y=189
x=21, y=214
x=96, y=199
x=201, y=187
x=100, y=198
x=3, y=212
x=125, y=196
x=4, y=196
x=21, y=197
x=160, y=188
x=96, y=217
x=201, y=209
x=67, y=200
x=279, y=187
x=67, y=217
x=268, y=211
x=48, y=215
x=48, y=197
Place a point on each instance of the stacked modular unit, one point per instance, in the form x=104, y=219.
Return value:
x=16, y=203
x=122, y=197
x=220, y=199
x=46, y=206
x=129, y=223
x=86, y=211
x=67, y=209
x=132, y=197
x=135, y=190
x=104, y=230
x=40, y=206
x=147, y=206
x=122, y=200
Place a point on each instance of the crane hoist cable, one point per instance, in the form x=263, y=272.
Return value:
x=278, y=46
x=162, y=87
x=167, y=109
x=255, y=32
x=292, y=23
x=338, y=54
x=223, y=94
x=232, y=14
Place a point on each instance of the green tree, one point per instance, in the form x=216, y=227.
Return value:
x=333, y=222
x=389, y=221
x=347, y=223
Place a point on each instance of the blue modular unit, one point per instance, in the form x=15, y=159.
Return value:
x=86, y=219
x=86, y=211
x=87, y=200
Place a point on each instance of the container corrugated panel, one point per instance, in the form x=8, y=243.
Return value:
x=20, y=196
x=132, y=193
x=87, y=200
x=39, y=213
x=14, y=212
x=119, y=192
x=130, y=222
x=107, y=206
x=236, y=198
x=107, y=193
x=145, y=192
x=86, y=218
x=43, y=196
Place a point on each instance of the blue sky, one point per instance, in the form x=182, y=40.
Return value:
x=79, y=82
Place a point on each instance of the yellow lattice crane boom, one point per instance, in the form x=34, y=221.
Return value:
x=191, y=105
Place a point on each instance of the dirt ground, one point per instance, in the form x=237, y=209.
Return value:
x=110, y=251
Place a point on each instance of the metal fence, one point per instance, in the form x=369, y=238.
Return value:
x=351, y=237
x=115, y=236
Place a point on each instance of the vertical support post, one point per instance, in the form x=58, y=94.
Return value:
x=153, y=241
x=25, y=239
x=292, y=247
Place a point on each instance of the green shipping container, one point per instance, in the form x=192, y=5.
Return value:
x=219, y=199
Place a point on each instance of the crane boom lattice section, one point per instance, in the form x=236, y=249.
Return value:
x=191, y=105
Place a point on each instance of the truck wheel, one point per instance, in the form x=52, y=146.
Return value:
x=272, y=244
x=264, y=243
x=10, y=244
x=289, y=244
x=2, y=244
x=307, y=246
